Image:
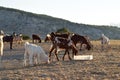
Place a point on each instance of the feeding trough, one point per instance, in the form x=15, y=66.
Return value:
x=83, y=57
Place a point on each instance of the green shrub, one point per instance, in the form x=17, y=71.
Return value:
x=25, y=37
x=63, y=30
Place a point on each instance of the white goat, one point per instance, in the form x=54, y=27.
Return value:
x=104, y=41
x=35, y=52
x=1, y=46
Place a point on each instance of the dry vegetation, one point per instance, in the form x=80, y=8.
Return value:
x=104, y=66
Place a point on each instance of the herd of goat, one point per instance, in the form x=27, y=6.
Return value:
x=36, y=54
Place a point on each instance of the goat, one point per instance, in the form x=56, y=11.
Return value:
x=34, y=52
x=36, y=37
x=18, y=38
x=62, y=43
x=1, y=46
x=104, y=41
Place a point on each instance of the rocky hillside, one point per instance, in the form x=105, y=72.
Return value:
x=12, y=20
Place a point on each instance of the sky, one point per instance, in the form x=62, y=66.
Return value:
x=94, y=12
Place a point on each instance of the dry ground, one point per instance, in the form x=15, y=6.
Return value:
x=104, y=66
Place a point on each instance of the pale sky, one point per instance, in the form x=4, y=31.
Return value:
x=96, y=12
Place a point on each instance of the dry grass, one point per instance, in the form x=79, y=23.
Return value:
x=104, y=66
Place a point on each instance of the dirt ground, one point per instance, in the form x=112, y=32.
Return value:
x=104, y=66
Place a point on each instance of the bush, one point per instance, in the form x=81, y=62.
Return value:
x=63, y=30
x=25, y=37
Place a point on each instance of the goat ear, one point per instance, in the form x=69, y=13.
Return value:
x=53, y=33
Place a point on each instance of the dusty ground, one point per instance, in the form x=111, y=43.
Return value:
x=104, y=66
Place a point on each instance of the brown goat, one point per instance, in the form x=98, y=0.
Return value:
x=36, y=37
x=61, y=43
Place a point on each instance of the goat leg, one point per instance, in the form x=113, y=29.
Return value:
x=56, y=54
x=51, y=53
x=69, y=55
x=64, y=55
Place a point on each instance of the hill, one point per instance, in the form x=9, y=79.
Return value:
x=13, y=20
